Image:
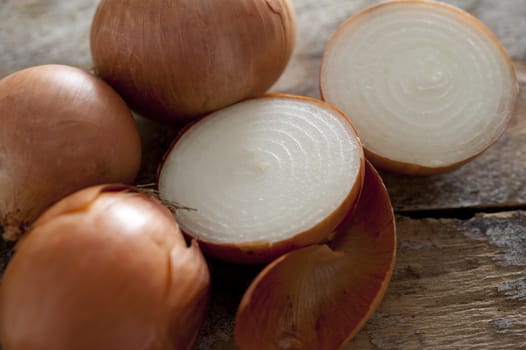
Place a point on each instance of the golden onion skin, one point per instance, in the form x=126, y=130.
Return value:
x=174, y=60
x=320, y=296
x=61, y=130
x=105, y=269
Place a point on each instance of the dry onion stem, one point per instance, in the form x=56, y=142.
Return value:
x=151, y=190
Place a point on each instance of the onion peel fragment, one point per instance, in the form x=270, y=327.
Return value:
x=319, y=297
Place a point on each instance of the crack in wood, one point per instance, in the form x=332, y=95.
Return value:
x=464, y=213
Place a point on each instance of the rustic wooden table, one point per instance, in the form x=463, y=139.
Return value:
x=460, y=277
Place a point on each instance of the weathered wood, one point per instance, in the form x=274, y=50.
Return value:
x=36, y=32
x=458, y=284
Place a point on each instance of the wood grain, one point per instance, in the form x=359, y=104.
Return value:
x=459, y=282
x=457, y=285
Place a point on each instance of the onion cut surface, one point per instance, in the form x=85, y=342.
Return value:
x=319, y=297
x=427, y=85
x=264, y=176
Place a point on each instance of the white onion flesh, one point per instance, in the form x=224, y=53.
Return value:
x=424, y=83
x=261, y=170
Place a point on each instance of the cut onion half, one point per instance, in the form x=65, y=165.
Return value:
x=263, y=177
x=320, y=296
x=427, y=85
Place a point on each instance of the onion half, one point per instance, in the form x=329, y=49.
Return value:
x=320, y=296
x=173, y=60
x=105, y=268
x=61, y=130
x=427, y=85
x=263, y=177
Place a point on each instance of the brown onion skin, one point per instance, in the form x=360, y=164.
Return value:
x=175, y=60
x=61, y=130
x=320, y=296
x=106, y=268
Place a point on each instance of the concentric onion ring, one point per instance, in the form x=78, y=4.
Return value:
x=262, y=172
x=427, y=85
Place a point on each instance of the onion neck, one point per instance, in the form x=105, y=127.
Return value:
x=11, y=228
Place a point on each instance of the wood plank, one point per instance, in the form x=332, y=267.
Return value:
x=458, y=284
x=36, y=32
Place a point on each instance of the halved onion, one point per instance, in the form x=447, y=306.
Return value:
x=264, y=176
x=427, y=85
x=318, y=297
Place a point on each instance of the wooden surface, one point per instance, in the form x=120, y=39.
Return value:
x=460, y=276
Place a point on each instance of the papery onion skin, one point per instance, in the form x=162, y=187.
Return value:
x=383, y=162
x=61, y=130
x=320, y=296
x=259, y=252
x=105, y=268
x=174, y=60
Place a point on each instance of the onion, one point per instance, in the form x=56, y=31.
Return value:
x=174, y=60
x=106, y=268
x=61, y=130
x=320, y=296
x=427, y=85
x=263, y=177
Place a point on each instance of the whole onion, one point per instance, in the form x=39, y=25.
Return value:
x=108, y=269
x=61, y=129
x=176, y=59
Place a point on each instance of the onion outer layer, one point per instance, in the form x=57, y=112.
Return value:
x=61, y=130
x=319, y=297
x=105, y=268
x=179, y=59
